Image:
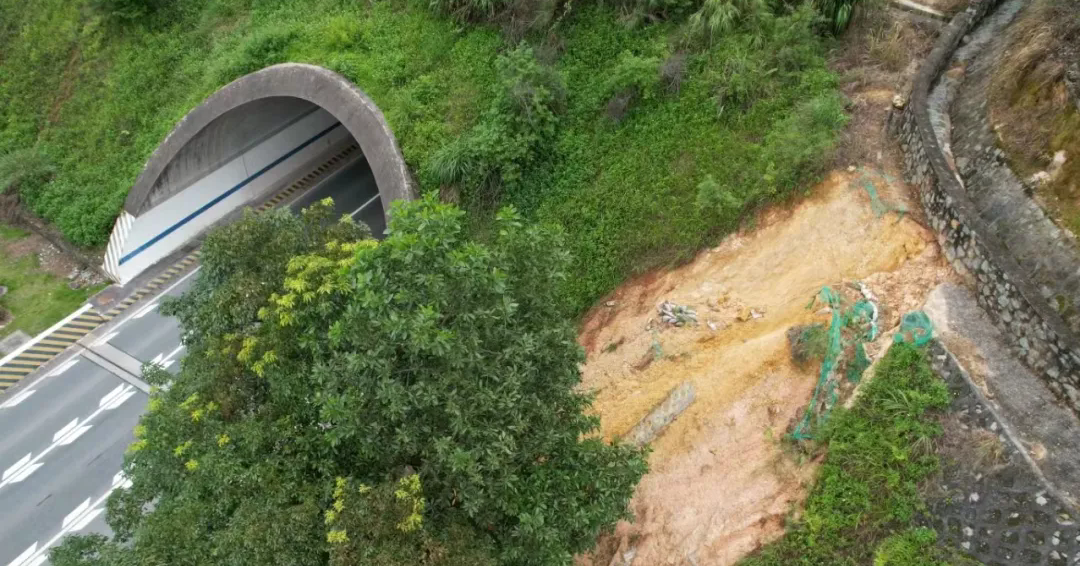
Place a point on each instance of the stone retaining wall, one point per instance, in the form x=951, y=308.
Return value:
x=1038, y=334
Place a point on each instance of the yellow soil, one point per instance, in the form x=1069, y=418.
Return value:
x=719, y=484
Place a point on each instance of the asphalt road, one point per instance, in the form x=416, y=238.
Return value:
x=354, y=192
x=64, y=433
x=65, y=440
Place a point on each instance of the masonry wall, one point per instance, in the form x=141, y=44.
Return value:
x=1037, y=333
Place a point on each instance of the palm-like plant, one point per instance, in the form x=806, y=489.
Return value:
x=837, y=13
x=718, y=17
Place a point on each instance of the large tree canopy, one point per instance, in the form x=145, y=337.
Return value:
x=347, y=401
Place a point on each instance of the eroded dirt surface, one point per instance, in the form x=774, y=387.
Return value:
x=720, y=483
x=50, y=259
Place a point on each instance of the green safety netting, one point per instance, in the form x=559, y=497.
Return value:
x=916, y=328
x=879, y=206
x=849, y=328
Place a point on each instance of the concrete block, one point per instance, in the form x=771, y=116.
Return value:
x=12, y=342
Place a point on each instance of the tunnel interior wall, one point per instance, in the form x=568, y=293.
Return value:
x=225, y=139
x=142, y=240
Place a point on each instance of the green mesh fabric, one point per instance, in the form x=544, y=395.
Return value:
x=849, y=328
x=916, y=328
x=867, y=181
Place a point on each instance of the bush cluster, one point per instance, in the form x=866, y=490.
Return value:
x=514, y=133
x=25, y=170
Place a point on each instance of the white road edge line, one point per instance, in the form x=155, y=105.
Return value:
x=77, y=520
x=365, y=205
x=63, y=367
x=18, y=398
x=66, y=435
x=146, y=310
x=106, y=337
x=42, y=336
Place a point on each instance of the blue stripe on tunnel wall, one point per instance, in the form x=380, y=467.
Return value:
x=226, y=194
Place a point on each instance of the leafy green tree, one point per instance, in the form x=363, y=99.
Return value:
x=346, y=401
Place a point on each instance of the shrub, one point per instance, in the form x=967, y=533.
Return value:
x=650, y=11
x=24, y=170
x=808, y=343
x=837, y=13
x=774, y=54
x=260, y=50
x=917, y=547
x=512, y=135
x=799, y=147
x=470, y=10
x=720, y=201
x=517, y=17
x=716, y=18
x=127, y=10
x=633, y=78
x=673, y=71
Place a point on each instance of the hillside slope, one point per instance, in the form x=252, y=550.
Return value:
x=646, y=116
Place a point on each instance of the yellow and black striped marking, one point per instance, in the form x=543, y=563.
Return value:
x=308, y=180
x=47, y=348
x=155, y=284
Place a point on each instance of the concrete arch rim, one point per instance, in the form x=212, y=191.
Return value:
x=336, y=94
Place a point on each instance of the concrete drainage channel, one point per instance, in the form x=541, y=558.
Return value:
x=988, y=501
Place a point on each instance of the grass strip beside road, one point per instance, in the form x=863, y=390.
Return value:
x=36, y=298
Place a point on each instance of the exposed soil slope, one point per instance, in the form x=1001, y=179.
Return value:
x=720, y=484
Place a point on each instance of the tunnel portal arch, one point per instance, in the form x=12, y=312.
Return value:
x=196, y=147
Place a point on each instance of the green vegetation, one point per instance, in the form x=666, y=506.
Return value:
x=24, y=169
x=917, y=547
x=862, y=508
x=626, y=190
x=344, y=401
x=739, y=95
x=36, y=298
x=1029, y=99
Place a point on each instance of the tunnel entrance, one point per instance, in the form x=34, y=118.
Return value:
x=259, y=139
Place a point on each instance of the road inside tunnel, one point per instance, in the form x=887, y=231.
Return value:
x=354, y=192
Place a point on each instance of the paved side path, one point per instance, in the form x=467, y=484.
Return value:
x=1049, y=432
x=1011, y=458
x=47, y=345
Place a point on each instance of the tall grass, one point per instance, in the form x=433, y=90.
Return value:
x=35, y=298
